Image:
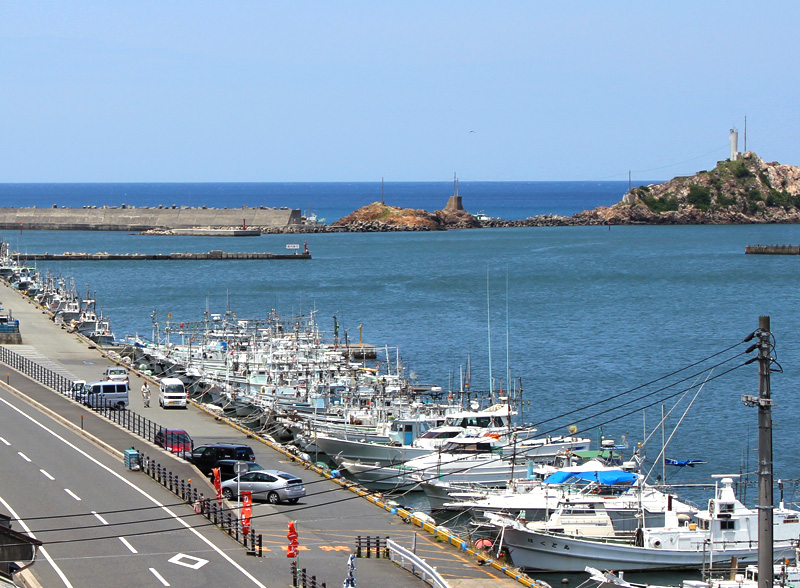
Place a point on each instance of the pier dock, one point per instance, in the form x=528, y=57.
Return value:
x=214, y=254
x=333, y=515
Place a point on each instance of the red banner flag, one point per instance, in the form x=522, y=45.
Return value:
x=291, y=552
x=247, y=511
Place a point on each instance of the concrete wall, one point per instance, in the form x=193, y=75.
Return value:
x=139, y=219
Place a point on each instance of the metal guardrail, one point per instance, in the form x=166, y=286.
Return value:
x=420, y=567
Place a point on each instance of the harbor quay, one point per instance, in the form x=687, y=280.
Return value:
x=329, y=520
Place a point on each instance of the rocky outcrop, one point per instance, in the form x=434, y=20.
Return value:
x=381, y=217
x=744, y=191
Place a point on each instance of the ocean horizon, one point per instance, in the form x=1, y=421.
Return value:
x=328, y=200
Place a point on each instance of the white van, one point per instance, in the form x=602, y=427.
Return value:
x=171, y=392
x=107, y=393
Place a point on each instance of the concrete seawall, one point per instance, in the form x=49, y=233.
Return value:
x=142, y=219
x=216, y=254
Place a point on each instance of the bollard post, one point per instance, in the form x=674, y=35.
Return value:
x=260, y=546
x=369, y=547
x=358, y=546
x=294, y=574
x=81, y=422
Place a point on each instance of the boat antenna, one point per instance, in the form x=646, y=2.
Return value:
x=508, y=360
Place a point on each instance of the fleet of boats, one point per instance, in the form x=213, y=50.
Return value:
x=551, y=501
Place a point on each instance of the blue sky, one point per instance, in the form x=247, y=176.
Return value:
x=410, y=91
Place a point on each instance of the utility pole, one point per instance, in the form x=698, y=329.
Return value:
x=764, y=403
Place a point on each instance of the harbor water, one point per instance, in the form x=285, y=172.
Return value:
x=577, y=315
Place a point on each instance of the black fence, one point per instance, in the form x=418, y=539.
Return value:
x=301, y=578
x=369, y=547
x=35, y=371
x=213, y=509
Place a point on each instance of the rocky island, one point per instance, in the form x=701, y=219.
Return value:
x=744, y=191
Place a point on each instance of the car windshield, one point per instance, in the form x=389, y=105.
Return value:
x=174, y=389
x=286, y=476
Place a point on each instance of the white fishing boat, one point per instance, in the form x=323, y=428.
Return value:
x=783, y=574
x=480, y=460
x=711, y=537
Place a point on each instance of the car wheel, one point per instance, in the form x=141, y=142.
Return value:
x=273, y=498
x=120, y=406
x=293, y=500
x=227, y=493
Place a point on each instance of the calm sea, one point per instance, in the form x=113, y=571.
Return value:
x=507, y=200
x=579, y=315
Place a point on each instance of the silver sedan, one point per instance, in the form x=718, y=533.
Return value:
x=273, y=486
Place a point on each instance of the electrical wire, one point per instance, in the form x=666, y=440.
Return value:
x=618, y=417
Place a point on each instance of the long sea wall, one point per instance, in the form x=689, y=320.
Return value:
x=142, y=219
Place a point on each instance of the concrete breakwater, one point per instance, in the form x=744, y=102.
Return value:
x=215, y=254
x=141, y=219
x=773, y=249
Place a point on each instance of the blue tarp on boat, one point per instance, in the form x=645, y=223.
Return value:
x=605, y=477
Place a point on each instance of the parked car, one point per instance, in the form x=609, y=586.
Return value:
x=171, y=392
x=104, y=394
x=175, y=441
x=205, y=456
x=227, y=468
x=271, y=485
x=75, y=389
x=117, y=374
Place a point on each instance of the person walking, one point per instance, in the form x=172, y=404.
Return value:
x=146, y=394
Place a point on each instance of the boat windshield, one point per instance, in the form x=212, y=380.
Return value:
x=433, y=434
x=475, y=421
x=472, y=447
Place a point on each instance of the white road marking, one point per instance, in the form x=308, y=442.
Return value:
x=46, y=475
x=128, y=545
x=4, y=441
x=99, y=518
x=42, y=549
x=178, y=560
x=134, y=487
x=159, y=576
x=23, y=456
x=71, y=493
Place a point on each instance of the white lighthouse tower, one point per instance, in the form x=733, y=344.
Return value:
x=734, y=144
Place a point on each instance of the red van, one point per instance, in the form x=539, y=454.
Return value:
x=175, y=441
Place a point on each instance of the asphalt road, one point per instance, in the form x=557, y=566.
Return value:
x=102, y=524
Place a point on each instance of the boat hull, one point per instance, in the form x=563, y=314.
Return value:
x=556, y=553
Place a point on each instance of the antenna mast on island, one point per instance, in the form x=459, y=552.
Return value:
x=745, y=134
x=382, y=202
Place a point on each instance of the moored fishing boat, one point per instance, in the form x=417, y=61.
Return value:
x=713, y=536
